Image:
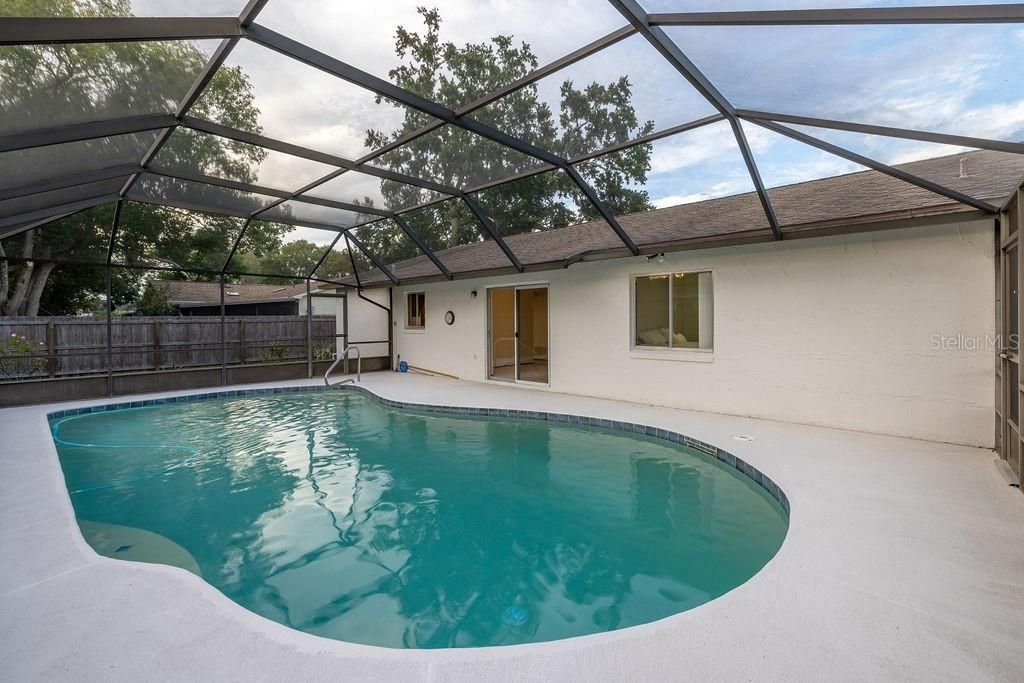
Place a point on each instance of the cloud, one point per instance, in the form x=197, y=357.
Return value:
x=720, y=189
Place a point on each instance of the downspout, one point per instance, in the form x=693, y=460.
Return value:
x=391, y=339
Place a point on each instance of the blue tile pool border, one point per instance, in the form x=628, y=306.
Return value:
x=723, y=456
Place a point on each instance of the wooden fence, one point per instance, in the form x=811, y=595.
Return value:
x=74, y=346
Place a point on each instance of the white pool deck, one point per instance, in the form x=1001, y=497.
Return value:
x=904, y=561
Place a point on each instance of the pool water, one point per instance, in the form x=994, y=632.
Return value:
x=335, y=515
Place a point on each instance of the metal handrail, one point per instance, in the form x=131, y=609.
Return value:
x=343, y=356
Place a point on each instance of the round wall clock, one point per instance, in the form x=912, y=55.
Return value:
x=449, y=317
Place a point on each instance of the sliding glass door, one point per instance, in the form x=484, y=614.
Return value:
x=517, y=334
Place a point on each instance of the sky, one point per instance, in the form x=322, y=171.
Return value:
x=955, y=79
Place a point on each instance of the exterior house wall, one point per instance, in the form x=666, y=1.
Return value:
x=321, y=305
x=836, y=331
x=366, y=322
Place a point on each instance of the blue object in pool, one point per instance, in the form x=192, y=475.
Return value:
x=403, y=366
x=514, y=616
x=335, y=515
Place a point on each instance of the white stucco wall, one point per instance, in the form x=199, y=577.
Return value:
x=366, y=322
x=832, y=331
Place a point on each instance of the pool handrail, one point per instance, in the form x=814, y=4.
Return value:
x=341, y=357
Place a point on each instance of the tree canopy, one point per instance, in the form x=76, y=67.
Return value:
x=590, y=117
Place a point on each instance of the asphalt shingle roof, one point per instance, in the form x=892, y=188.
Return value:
x=846, y=203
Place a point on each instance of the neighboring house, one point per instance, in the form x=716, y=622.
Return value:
x=203, y=298
x=841, y=323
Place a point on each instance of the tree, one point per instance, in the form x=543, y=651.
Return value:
x=154, y=301
x=82, y=82
x=589, y=118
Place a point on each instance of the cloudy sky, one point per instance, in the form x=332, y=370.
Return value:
x=958, y=79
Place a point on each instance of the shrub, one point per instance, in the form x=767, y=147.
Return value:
x=19, y=357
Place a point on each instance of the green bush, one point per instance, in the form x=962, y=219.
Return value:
x=19, y=359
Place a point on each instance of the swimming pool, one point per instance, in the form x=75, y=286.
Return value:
x=335, y=515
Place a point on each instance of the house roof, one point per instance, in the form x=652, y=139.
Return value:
x=855, y=202
x=185, y=294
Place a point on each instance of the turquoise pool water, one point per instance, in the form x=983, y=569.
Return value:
x=337, y=516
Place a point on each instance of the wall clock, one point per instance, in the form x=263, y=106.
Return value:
x=449, y=317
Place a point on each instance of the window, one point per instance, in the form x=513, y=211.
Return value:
x=414, y=316
x=673, y=311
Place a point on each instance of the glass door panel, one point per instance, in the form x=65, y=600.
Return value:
x=501, y=328
x=532, y=335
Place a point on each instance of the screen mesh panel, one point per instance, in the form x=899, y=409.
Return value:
x=366, y=37
x=280, y=249
x=301, y=105
x=169, y=237
x=32, y=165
x=10, y=208
x=193, y=152
x=456, y=157
x=81, y=238
x=353, y=187
x=198, y=196
x=616, y=95
x=42, y=86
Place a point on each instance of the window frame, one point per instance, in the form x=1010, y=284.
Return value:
x=422, y=306
x=669, y=352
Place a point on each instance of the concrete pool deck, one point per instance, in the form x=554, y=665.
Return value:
x=904, y=560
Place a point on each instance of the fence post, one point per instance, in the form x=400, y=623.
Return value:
x=223, y=337
x=309, y=332
x=51, y=349
x=156, y=344
x=241, y=341
x=110, y=339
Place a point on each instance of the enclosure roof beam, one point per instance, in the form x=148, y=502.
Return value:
x=671, y=52
x=307, y=55
x=650, y=137
x=888, y=131
x=166, y=269
x=491, y=231
x=237, y=213
x=19, y=222
x=877, y=166
x=313, y=155
x=83, y=131
x=605, y=212
x=114, y=225
x=323, y=258
x=234, y=245
x=62, y=30
x=352, y=260
x=72, y=180
x=370, y=255
x=262, y=189
x=422, y=246
x=957, y=14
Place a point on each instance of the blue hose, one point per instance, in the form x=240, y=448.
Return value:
x=55, y=431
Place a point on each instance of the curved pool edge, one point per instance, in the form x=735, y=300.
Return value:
x=730, y=459
x=311, y=644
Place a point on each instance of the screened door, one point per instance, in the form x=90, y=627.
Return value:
x=1008, y=378
x=517, y=326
